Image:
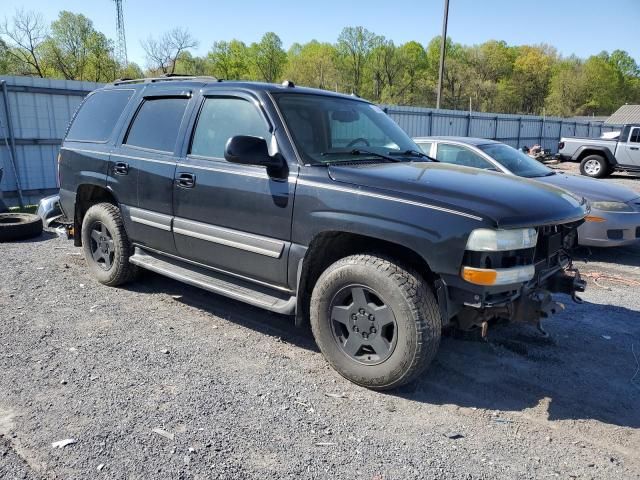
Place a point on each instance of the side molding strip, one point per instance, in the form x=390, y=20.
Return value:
x=146, y=217
x=231, y=238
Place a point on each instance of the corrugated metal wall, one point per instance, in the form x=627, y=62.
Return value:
x=40, y=110
x=514, y=130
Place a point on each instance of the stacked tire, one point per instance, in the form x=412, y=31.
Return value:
x=19, y=226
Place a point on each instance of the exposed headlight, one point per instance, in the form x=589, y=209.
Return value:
x=487, y=240
x=612, y=206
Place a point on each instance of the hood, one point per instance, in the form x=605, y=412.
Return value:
x=506, y=200
x=589, y=188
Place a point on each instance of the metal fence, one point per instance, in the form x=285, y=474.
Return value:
x=35, y=112
x=514, y=130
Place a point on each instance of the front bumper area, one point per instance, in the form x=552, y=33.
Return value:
x=469, y=305
x=617, y=229
x=528, y=303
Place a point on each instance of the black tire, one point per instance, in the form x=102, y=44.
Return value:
x=113, y=267
x=19, y=226
x=413, y=307
x=595, y=166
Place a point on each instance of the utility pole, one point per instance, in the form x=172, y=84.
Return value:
x=443, y=48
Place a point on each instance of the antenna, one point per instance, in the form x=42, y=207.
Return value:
x=121, y=44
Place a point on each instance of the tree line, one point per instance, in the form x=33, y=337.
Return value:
x=490, y=77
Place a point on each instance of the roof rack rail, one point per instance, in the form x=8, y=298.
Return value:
x=168, y=77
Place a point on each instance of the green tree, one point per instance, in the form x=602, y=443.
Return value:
x=566, y=89
x=267, y=57
x=354, y=49
x=229, y=60
x=78, y=52
x=604, y=87
x=313, y=64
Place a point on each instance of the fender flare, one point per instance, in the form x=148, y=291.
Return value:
x=606, y=153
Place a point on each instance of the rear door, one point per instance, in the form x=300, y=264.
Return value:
x=146, y=161
x=232, y=217
x=629, y=151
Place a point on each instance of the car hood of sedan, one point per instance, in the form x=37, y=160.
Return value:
x=589, y=188
x=507, y=200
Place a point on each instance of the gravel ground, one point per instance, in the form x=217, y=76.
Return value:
x=240, y=393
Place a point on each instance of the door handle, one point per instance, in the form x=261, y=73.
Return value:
x=633, y=148
x=186, y=180
x=121, y=168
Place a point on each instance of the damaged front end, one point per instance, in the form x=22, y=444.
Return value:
x=475, y=303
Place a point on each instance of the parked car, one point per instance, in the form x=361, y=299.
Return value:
x=615, y=211
x=312, y=203
x=600, y=157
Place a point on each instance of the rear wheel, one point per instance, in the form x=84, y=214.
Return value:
x=594, y=166
x=377, y=323
x=106, y=245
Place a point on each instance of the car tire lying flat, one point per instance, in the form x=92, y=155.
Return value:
x=19, y=226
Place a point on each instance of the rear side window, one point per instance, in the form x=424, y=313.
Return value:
x=635, y=135
x=222, y=118
x=98, y=115
x=425, y=147
x=157, y=123
x=460, y=156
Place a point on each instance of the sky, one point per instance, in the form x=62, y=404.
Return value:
x=581, y=27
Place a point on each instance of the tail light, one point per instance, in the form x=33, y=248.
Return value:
x=59, y=177
x=560, y=145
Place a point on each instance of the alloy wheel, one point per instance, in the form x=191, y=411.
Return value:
x=363, y=324
x=102, y=246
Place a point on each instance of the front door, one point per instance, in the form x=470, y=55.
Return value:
x=233, y=218
x=630, y=150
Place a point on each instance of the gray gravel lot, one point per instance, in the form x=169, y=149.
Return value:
x=243, y=394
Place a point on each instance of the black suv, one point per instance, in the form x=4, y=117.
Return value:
x=314, y=204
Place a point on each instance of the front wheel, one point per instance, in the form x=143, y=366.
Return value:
x=106, y=245
x=594, y=166
x=377, y=323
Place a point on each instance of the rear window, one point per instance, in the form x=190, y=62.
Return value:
x=157, y=123
x=98, y=115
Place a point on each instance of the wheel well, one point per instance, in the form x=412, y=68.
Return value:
x=86, y=197
x=586, y=153
x=329, y=247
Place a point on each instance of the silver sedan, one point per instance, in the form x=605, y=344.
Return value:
x=615, y=211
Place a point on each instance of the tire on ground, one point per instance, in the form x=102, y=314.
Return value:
x=19, y=226
x=121, y=271
x=414, y=306
x=603, y=171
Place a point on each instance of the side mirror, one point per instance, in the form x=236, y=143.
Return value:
x=248, y=150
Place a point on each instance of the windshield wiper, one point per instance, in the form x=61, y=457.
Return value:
x=360, y=151
x=414, y=153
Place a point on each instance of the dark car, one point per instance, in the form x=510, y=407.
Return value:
x=311, y=203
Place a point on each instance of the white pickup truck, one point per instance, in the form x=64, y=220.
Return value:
x=600, y=157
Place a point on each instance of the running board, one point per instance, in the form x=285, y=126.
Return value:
x=226, y=285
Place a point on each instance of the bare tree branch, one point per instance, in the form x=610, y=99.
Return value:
x=162, y=54
x=24, y=36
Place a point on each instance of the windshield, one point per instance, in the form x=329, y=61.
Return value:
x=330, y=130
x=515, y=161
